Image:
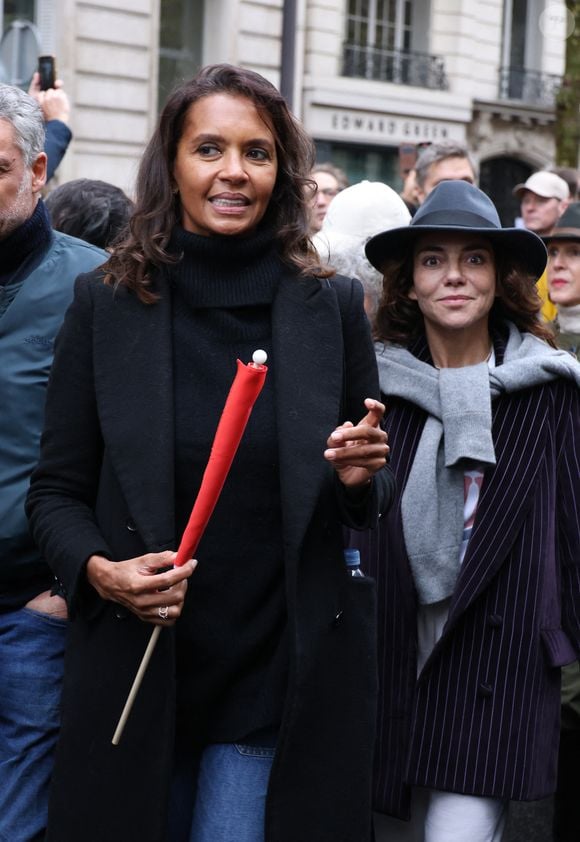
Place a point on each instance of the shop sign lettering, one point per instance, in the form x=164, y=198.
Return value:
x=390, y=127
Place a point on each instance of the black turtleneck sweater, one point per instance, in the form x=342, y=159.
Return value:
x=232, y=651
x=21, y=251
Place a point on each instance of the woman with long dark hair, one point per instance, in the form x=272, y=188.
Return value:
x=255, y=719
x=478, y=561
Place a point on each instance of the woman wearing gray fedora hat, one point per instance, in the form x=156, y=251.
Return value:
x=478, y=570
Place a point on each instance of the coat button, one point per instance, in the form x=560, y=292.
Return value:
x=130, y=525
x=495, y=621
x=337, y=619
x=485, y=689
x=120, y=612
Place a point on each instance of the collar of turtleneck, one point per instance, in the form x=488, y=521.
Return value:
x=226, y=271
x=28, y=240
x=569, y=319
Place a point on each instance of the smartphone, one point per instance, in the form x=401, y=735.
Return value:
x=47, y=72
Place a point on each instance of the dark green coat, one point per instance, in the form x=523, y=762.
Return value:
x=27, y=332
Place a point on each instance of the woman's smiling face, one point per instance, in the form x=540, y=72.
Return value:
x=453, y=280
x=564, y=272
x=225, y=167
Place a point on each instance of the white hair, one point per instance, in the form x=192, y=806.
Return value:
x=25, y=116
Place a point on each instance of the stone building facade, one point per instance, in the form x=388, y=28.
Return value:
x=367, y=77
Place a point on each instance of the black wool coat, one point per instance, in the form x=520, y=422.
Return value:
x=105, y=485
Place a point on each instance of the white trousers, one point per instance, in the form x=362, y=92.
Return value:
x=446, y=817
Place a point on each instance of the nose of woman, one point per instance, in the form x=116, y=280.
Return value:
x=453, y=274
x=557, y=260
x=233, y=168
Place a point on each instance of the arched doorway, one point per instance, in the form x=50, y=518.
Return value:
x=497, y=178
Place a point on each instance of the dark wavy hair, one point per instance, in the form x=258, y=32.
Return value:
x=157, y=207
x=92, y=210
x=400, y=321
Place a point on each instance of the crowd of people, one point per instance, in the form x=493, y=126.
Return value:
x=421, y=407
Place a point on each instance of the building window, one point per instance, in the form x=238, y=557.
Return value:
x=385, y=24
x=359, y=162
x=12, y=10
x=180, y=43
x=520, y=76
x=21, y=41
x=380, y=37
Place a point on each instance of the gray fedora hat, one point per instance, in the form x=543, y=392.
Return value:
x=459, y=206
x=568, y=226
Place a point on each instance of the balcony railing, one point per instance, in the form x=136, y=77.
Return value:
x=402, y=68
x=529, y=86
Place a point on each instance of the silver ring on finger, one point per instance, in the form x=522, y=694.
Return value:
x=163, y=612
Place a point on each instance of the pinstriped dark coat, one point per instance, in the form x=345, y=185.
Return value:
x=483, y=716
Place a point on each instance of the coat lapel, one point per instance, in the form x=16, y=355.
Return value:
x=308, y=374
x=134, y=387
x=520, y=430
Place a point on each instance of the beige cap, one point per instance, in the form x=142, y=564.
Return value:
x=544, y=183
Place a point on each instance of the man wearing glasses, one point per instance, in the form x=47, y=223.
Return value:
x=330, y=180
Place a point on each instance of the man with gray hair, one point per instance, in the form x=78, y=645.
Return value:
x=443, y=161
x=37, y=271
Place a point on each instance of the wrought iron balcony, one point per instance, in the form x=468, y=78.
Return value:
x=401, y=67
x=529, y=86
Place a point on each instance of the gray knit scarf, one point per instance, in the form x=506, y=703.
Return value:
x=457, y=433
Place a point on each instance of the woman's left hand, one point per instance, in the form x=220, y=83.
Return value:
x=358, y=452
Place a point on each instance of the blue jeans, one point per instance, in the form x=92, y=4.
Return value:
x=31, y=668
x=231, y=794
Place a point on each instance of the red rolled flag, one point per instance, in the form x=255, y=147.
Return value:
x=242, y=396
x=244, y=391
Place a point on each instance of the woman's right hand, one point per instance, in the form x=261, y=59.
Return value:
x=137, y=584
